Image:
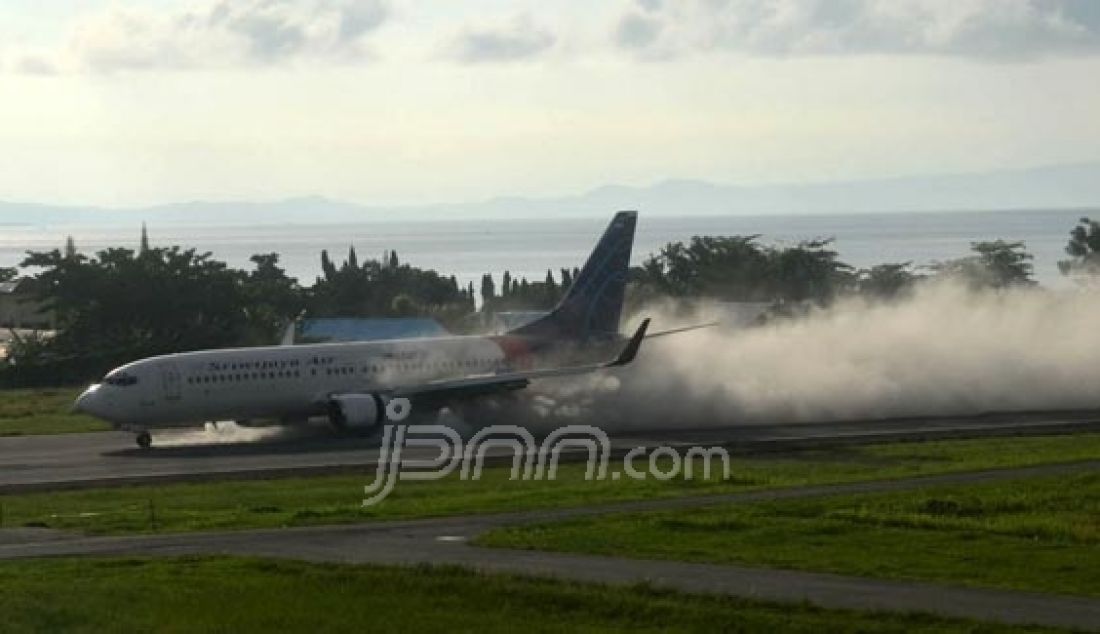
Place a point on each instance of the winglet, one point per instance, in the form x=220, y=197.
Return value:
x=632, y=347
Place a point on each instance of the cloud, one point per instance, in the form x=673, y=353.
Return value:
x=1004, y=30
x=217, y=34
x=517, y=40
x=638, y=31
x=35, y=65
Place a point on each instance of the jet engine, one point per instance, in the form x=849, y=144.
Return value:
x=356, y=411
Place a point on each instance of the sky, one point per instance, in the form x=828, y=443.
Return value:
x=379, y=102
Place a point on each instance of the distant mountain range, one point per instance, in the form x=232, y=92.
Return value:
x=1062, y=186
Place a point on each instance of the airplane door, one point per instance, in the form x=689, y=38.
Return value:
x=170, y=375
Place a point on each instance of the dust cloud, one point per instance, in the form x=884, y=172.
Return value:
x=945, y=350
x=229, y=432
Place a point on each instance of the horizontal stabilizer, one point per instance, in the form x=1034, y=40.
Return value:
x=676, y=331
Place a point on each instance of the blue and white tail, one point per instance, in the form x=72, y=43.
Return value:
x=594, y=303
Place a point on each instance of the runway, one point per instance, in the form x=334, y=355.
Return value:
x=447, y=542
x=35, y=463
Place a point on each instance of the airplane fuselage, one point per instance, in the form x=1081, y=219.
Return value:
x=295, y=382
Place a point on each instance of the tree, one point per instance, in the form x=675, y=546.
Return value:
x=353, y=259
x=121, y=305
x=728, y=268
x=8, y=274
x=506, y=284
x=488, y=290
x=738, y=268
x=28, y=349
x=1084, y=250
x=996, y=264
x=327, y=267
x=70, y=248
x=810, y=271
x=371, y=288
x=550, y=288
x=144, y=239
x=887, y=281
x=272, y=299
x=404, y=306
x=1009, y=262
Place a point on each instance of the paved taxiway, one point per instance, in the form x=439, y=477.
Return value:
x=446, y=541
x=108, y=459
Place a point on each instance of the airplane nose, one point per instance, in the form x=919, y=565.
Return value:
x=85, y=402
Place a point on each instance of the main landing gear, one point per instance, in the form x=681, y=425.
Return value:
x=144, y=440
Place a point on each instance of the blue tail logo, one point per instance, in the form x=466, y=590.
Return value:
x=594, y=303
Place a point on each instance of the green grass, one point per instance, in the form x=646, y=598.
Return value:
x=1039, y=534
x=254, y=595
x=44, y=411
x=338, y=499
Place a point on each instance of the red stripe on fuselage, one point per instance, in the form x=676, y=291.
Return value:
x=517, y=350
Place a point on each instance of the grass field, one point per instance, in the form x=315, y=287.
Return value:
x=1038, y=534
x=45, y=411
x=337, y=499
x=253, y=595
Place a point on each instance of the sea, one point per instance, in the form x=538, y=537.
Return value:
x=469, y=248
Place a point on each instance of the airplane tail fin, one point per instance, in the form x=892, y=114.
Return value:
x=593, y=304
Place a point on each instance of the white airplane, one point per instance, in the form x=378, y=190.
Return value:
x=361, y=385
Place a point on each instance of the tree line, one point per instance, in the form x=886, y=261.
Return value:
x=122, y=304
x=742, y=269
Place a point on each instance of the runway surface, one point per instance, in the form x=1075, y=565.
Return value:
x=110, y=459
x=446, y=541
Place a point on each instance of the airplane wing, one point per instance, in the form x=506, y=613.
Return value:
x=477, y=385
x=676, y=331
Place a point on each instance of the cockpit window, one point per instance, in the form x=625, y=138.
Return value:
x=121, y=380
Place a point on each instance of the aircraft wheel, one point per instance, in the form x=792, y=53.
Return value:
x=144, y=440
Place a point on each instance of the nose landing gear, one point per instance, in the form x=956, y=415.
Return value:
x=144, y=440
